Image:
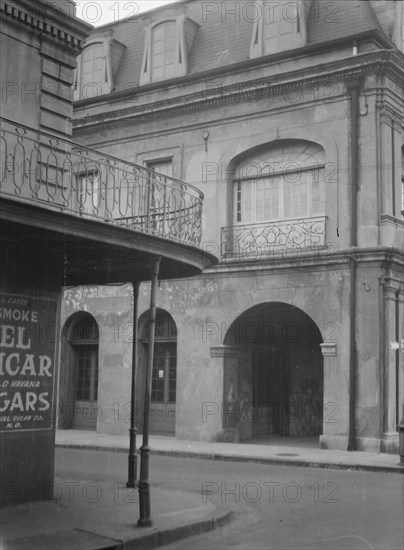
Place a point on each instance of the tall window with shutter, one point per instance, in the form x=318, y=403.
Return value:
x=93, y=69
x=281, y=27
x=167, y=45
x=164, y=54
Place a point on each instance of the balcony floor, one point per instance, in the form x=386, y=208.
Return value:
x=92, y=252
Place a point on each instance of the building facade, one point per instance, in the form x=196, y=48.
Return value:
x=289, y=118
x=61, y=224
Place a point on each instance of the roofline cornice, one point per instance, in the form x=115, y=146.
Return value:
x=373, y=62
x=257, y=62
x=46, y=19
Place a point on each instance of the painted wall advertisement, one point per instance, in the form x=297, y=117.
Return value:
x=27, y=362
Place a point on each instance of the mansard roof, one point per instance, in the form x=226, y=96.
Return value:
x=342, y=19
x=223, y=39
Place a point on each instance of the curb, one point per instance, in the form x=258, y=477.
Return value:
x=161, y=537
x=218, y=519
x=249, y=459
x=148, y=539
x=282, y=462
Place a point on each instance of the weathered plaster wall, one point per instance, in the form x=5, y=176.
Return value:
x=112, y=308
x=204, y=309
x=369, y=341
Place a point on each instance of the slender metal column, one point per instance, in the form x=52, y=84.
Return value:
x=144, y=485
x=132, y=458
x=353, y=88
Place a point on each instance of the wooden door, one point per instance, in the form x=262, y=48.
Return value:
x=164, y=383
x=85, y=406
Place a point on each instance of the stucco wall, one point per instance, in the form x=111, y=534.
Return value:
x=204, y=309
x=112, y=308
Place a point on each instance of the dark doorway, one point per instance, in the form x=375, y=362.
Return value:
x=280, y=373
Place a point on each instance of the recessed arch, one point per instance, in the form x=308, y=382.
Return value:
x=165, y=328
x=265, y=148
x=279, y=372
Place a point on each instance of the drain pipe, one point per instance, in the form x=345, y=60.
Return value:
x=353, y=88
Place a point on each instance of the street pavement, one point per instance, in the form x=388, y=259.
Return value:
x=274, y=507
x=95, y=511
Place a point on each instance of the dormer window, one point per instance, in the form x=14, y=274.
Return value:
x=94, y=70
x=165, y=52
x=167, y=45
x=96, y=67
x=282, y=27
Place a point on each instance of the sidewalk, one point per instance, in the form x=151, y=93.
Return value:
x=102, y=516
x=273, y=454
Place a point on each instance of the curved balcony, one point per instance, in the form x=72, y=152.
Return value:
x=102, y=219
x=61, y=175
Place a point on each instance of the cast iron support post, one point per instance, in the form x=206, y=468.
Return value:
x=144, y=486
x=132, y=458
x=353, y=88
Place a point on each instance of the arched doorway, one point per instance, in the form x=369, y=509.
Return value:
x=280, y=372
x=78, y=399
x=164, y=375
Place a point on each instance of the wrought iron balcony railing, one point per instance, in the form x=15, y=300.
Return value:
x=272, y=239
x=59, y=174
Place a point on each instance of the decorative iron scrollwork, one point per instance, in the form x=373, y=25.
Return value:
x=261, y=241
x=63, y=175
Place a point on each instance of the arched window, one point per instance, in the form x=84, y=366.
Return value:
x=284, y=182
x=278, y=201
x=164, y=375
x=83, y=339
